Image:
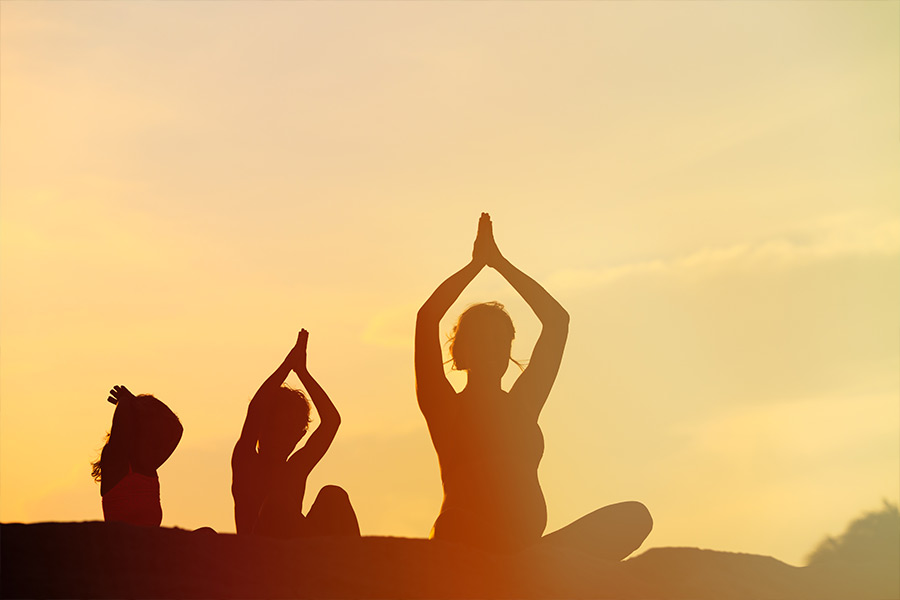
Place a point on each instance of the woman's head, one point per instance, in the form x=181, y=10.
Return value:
x=285, y=423
x=482, y=338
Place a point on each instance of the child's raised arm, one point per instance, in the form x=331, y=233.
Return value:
x=256, y=412
x=116, y=454
x=318, y=443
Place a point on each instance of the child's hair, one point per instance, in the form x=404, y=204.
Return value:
x=157, y=433
x=95, y=465
x=288, y=417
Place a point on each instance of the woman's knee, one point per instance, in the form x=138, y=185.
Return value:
x=639, y=517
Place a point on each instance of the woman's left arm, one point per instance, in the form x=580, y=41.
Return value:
x=535, y=383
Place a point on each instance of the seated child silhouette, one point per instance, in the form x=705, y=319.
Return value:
x=268, y=482
x=143, y=435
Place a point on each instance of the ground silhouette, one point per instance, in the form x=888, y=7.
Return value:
x=116, y=560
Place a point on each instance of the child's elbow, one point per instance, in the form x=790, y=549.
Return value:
x=333, y=421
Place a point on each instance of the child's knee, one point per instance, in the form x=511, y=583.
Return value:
x=333, y=494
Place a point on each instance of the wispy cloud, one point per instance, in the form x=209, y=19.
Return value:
x=836, y=237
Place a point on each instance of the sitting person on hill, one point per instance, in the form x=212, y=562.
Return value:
x=487, y=439
x=267, y=486
x=143, y=435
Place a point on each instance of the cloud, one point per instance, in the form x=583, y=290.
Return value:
x=802, y=429
x=835, y=237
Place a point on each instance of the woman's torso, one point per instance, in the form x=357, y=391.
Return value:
x=489, y=450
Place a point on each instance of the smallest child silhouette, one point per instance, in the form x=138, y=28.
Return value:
x=143, y=435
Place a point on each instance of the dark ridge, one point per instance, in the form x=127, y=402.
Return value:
x=114, y=560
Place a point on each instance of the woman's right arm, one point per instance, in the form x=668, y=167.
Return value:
x=431, y=382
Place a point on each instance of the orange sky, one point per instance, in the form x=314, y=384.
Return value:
x=710, y=189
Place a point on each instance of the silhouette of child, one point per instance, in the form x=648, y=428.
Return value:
x=143, y=435
x=267, y=486
x=488, y=440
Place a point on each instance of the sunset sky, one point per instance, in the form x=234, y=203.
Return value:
x=710, y=189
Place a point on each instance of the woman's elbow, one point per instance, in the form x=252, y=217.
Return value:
x=427, y=314
x=559, y=319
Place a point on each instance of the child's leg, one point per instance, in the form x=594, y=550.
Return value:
x=331, y=514
x=280, y=517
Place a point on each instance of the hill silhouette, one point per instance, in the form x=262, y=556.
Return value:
x=116, y=560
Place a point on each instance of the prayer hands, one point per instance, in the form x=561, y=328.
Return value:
x=297, y=356
x=485, y=251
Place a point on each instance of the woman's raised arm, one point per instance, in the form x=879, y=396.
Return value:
x=431, y=382
x=533, y=386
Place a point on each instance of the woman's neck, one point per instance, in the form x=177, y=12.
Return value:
x=480, y=382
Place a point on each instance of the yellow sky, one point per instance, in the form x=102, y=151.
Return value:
x=709, y=188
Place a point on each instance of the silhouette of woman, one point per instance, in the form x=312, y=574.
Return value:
x=488, y=440
x=143, y=435
x=267, y=486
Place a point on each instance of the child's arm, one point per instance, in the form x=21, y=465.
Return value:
x=245, y=512
x=115, y=457
x=307, y=457
x=283, y=507
x=257, y=410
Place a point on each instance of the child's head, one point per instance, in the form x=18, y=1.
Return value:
x=159, y=430
x=156, y=432
x=285, y=422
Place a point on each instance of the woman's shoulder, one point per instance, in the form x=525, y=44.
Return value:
x=439, y=406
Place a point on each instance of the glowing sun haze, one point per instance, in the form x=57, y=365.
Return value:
x=710, y=189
